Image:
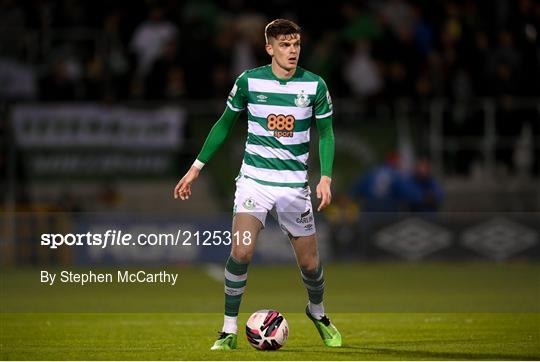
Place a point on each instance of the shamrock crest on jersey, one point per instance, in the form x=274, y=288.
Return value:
x=302, y=99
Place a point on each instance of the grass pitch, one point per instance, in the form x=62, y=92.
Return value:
x=384, y=311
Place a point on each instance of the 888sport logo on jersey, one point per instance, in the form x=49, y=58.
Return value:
x=281, y=125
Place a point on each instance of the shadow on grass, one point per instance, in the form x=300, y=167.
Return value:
x=367, y=353
x=399, y=353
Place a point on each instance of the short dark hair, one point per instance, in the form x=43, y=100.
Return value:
x=280, y=27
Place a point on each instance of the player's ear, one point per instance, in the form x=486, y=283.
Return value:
x=269, y=49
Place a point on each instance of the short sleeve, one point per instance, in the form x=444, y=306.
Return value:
x=323, y=101
x=237, y=99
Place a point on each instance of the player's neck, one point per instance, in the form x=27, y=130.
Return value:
x=282, y=73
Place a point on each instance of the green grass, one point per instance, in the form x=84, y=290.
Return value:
x=381, y=336
x=384, y=311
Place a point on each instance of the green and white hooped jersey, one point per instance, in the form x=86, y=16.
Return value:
x=279, y=119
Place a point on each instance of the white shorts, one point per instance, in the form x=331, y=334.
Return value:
x=291, y=204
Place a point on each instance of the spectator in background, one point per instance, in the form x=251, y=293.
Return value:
x=149, y=39
x=107, y=70
x=385, y=189
x=200, y=27
x=422, y=31
x=323, y=60
x=175, y=88
x=158, y=79
x=506, y=62
x=506, y=53
x=479, y=60
x=401, y=58
x=359, y=23
x=361, y=72
x=118, y=63
x=222, y=74
x=398, y=14
x=248, y=42
x=94, y=78
x=431, y=193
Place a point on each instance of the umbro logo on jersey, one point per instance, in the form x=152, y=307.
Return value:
x=261, y=98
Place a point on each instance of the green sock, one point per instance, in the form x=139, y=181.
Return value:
x=235, y=283
x=314, y=283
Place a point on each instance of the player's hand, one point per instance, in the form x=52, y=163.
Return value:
x=323, y=192
x=183, y=188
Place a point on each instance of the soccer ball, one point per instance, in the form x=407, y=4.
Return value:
x=267, y=330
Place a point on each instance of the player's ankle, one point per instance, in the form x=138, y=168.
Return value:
x=230, y=324
x=316, y=310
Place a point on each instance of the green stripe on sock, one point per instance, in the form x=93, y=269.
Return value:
x=315, y=298
x=312, y=283
x=313, y=275
x=235, y=267
x=316, y=287
x=232, y=305
x=232, y=284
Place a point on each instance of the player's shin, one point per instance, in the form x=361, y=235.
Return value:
x=235, y=283
x=314, y=283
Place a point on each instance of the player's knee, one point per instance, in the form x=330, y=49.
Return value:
x=310, y=265
x=242, y=256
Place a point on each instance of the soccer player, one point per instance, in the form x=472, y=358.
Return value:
x=281, y=100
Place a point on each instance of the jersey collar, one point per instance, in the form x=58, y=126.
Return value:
x=281, y=81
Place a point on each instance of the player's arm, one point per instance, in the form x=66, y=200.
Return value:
x=236, y=102
x=218, y=134
x=323, y=115
x=326, y=155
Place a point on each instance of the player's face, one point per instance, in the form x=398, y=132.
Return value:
x=285, y=50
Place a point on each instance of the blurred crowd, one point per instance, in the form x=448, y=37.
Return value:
x=380, y=194
x=172, y=50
